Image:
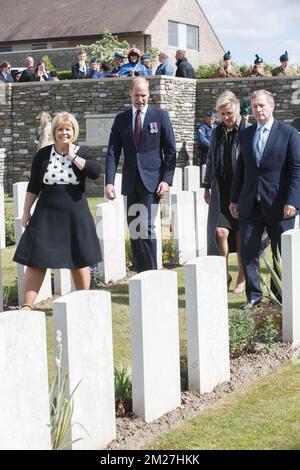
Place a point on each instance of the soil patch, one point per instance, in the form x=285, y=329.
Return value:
x=133, y=433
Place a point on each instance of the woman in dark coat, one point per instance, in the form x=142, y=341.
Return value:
x=222, y=229
x=61, y=232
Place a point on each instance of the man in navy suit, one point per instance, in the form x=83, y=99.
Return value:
x=147, y=138
x=266, y=187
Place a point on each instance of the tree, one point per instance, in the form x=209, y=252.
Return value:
x=104, y=49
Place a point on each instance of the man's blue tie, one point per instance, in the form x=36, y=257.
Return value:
x=259, y=145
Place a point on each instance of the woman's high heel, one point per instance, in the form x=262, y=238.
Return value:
x=239, y=288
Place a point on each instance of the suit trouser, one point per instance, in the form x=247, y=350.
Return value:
x=251, y=231
x=141, y=210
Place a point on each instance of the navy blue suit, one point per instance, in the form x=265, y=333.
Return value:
x=145, y=166
x=277, y=181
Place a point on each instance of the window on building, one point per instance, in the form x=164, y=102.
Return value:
x=39, y=45
x=5, y=48
x=173, y=33
x=60, y=45
x=192, y=37
x=182, y=35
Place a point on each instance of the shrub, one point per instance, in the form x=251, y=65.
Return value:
x=64, y=74
x=9, y=230
x=203, y=71
x=241, y=332
x=170, y=254
x=48, y=63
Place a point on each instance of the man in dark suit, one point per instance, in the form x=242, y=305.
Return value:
x=28, y=74
x=80, y=69
x=266, y=187
x=146, y=136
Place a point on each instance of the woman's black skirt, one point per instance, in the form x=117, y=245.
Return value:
x=61, y=232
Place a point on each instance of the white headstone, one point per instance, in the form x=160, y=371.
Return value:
x=157, y=230
x=184, y=224
x=63, y=282
x=46, y=288
x=176, y=186
x=1, y=287
x=201, y=212
x=111, y=234
x=207, y=323
x=2, y=218
x=84, y=318
x=24, y=395
x=290, y=248
x=191, y=178
x=19, y=193
x=203, y=171
x=155, y=343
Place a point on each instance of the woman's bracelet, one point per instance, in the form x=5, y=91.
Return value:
x=74, y=158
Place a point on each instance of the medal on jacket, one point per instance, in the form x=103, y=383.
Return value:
x=153, y=127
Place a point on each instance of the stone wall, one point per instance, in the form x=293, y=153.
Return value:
x=185, y=100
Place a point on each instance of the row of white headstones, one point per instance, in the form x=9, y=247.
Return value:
x=84, y=318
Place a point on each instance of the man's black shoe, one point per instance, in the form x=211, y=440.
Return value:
x=251, y=304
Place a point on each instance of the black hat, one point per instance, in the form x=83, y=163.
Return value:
x=93, y=60
x=119, y=55
x=284, y=57
x=245, y=108
x=210, y=114
x=227, y=55
x=258, y=60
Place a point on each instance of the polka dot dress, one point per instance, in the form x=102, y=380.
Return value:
x=59, y=170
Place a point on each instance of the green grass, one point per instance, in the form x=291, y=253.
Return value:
x=263, y=416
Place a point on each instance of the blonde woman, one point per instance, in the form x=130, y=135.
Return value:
x=44, y=130
x=61, y=232
x=223, y=229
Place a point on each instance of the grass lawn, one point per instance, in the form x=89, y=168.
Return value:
x=263, y=416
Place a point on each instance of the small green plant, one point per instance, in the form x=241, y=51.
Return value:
x=170, y=254
x=10, y=239
x=266, y=331
x=123, y=388
x=241, y=332
x=276, y=276
x=61, y=405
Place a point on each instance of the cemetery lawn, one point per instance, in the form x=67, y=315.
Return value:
x=265, y=415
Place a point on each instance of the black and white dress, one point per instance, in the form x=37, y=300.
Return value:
x=61, y=232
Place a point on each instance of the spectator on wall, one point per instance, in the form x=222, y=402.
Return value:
x=80, y=69
x=5, y=75
x=184, y=68
x=28, y=74
x=165, y=67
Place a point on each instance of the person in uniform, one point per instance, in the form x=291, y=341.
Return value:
x=284, y=69
x=258, y=69
x=227, y=70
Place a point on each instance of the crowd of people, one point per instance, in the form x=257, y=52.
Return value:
x=139, y=64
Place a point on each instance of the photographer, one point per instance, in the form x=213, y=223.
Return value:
x=40, y=73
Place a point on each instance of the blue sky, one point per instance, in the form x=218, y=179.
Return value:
x=263, y=27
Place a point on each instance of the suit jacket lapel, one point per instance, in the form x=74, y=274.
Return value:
x=251, y=140
x=129, y=124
